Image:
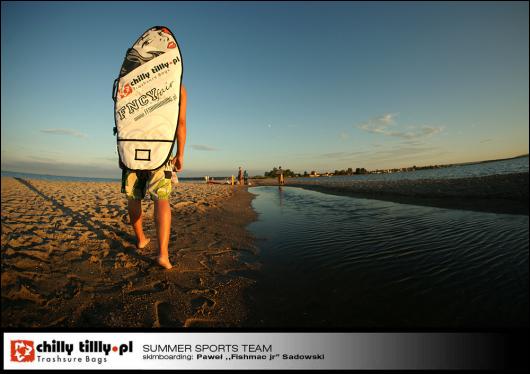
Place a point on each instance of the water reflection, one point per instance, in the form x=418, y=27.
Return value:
x=339, y=261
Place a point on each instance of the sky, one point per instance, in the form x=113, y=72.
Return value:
x=303, y=85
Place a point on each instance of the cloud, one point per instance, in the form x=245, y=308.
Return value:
x=42, y=158
x=335, y=154
x=405, y=154
x=411, y=142
x=64, y=132
x=106, y=158
x=486, y=140
x=386, y=125
x=402, y=151
x=387, y=119
x=380, y=152
x=201, y=147
x=380, y=124
x=342, y=154
x=344, y=136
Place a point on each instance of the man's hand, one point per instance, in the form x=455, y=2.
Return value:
x=178, y=163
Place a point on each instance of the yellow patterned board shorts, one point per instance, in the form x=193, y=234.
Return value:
x=135, y=184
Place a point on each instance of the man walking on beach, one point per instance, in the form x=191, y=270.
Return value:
x=135, y=184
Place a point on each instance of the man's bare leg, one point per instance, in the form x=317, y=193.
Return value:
x=135, y=214
x=163, y=228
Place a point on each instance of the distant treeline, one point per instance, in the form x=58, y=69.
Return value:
x=288, y=173
x=275, y=172
x=350, y=171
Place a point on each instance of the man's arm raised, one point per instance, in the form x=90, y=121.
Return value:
x=181, y=131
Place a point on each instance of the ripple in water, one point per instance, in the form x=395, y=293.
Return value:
x=335, y=261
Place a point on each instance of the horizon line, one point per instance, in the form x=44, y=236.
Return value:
x=118, y=178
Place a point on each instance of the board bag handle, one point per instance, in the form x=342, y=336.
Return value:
x=114, y=93
x=115, y=89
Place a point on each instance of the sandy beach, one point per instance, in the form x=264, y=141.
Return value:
x=69, y=259
x=507, y=193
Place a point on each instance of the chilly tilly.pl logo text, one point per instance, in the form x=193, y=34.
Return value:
x=25, y=350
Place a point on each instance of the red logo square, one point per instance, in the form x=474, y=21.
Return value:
x=22, y=351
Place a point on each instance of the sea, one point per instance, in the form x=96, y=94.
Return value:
x=341, y=262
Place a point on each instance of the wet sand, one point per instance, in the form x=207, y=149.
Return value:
x=69, y=257
x=506, y=193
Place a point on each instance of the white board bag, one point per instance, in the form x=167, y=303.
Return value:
x=147, y=100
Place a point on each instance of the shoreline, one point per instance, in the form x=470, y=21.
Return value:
x=69, y=258
x=505, y=194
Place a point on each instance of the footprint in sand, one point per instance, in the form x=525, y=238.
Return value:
x=202, y=322
x=154, y=287
x=201, y=303
x=204, y=290
x=163, y=315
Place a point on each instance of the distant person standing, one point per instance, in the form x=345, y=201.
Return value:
x=280, y=176
x=245, y=177
x=240, y=176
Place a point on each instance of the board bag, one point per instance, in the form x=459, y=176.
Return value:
x=147, y=100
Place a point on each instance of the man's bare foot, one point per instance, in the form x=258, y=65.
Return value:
x=164, y=262
x=142, y=244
